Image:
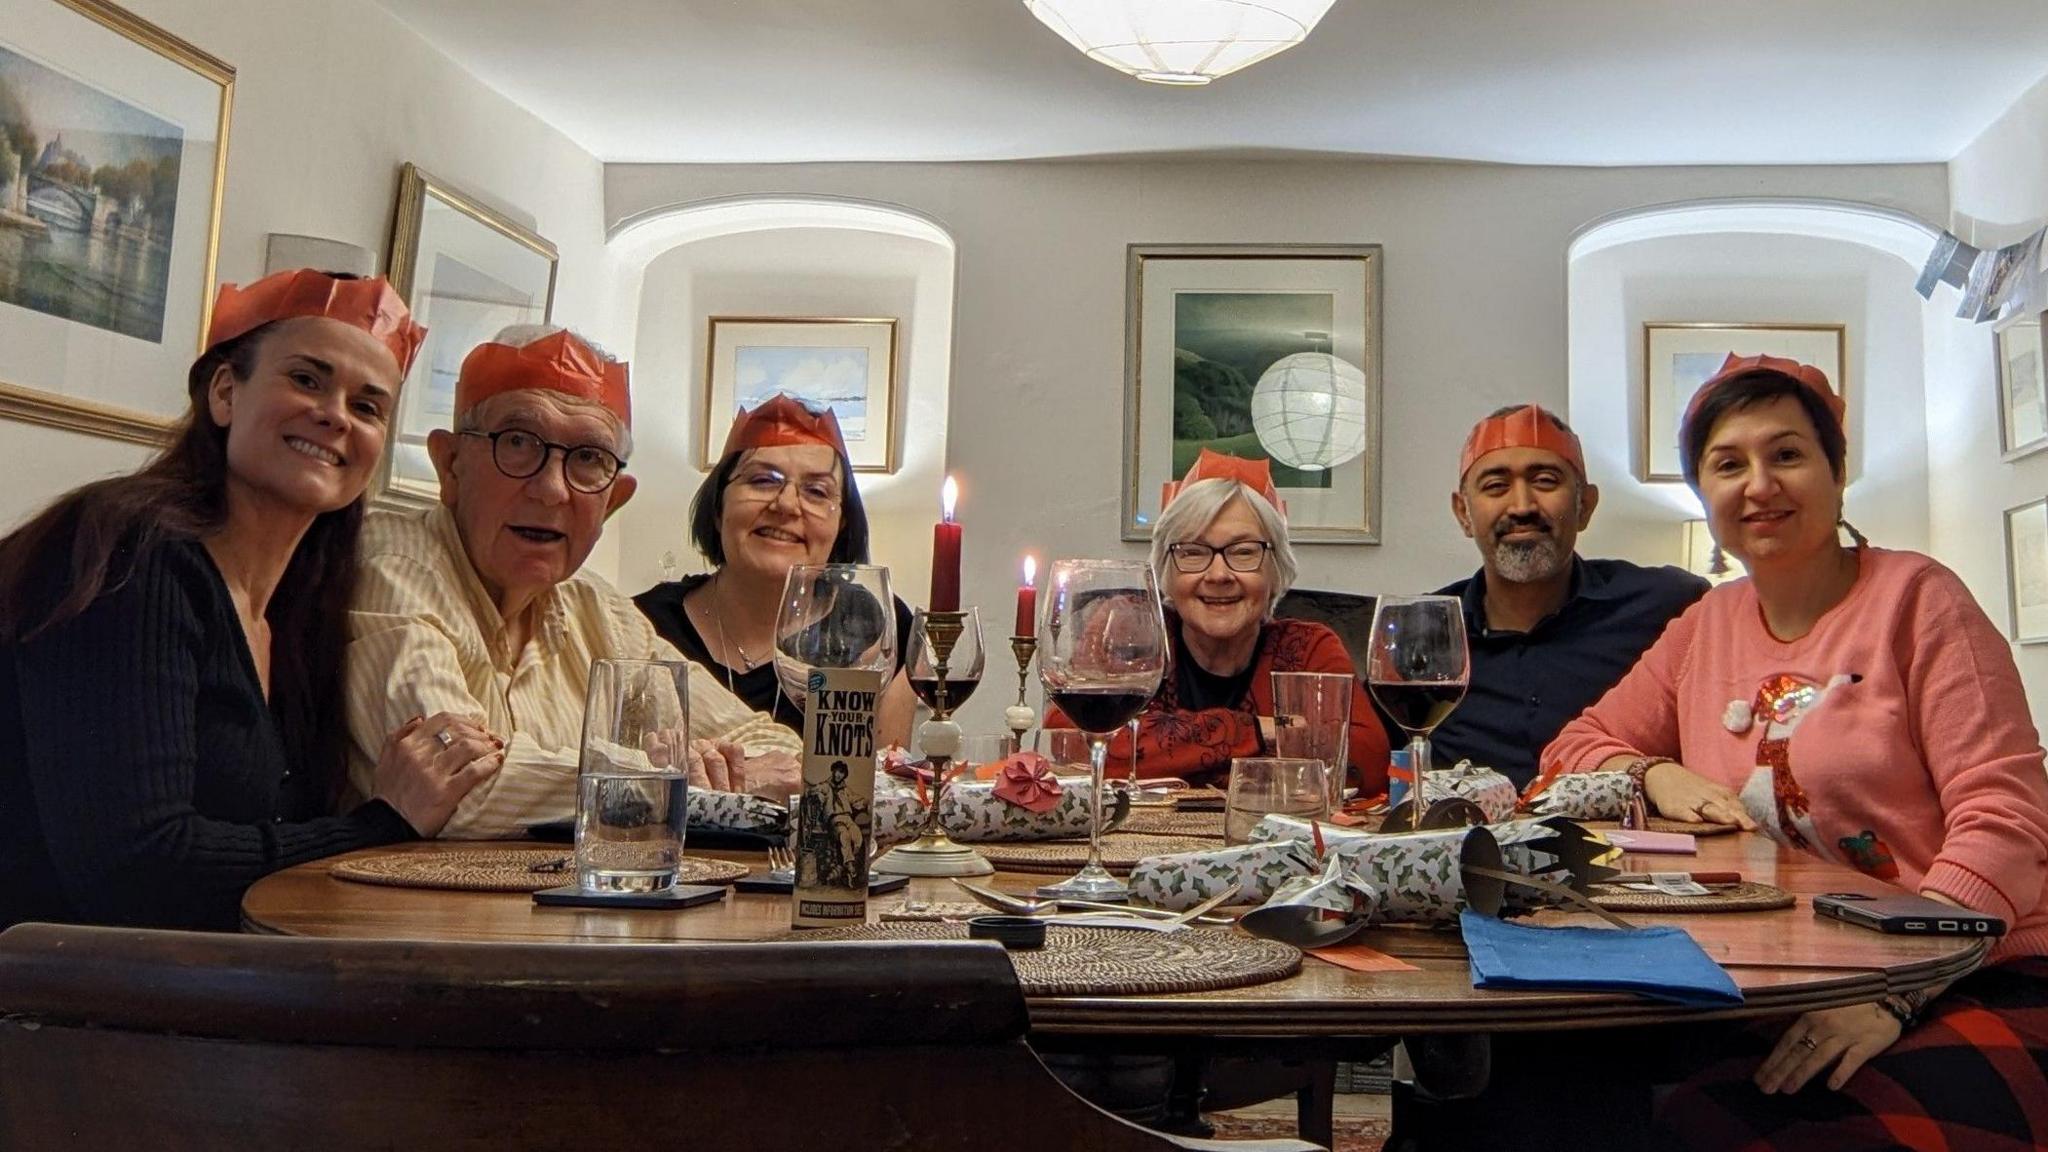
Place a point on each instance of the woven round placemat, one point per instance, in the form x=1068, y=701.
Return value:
x=1168, y=822
x=1120, y=850
x=500, y=870
x=1660, y=824
x=1744, y=897
x=1115, y=961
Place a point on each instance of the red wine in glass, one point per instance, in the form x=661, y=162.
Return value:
x=1418, y=705
x=958, y=689
x=1100, y=711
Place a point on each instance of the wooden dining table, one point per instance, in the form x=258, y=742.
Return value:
x=1785, y=961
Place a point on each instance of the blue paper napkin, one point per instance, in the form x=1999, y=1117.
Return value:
x=1662, y=963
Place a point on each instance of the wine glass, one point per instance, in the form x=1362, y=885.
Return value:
x=833, y=616
x=1101, y=653
x=964, y=663
x=1417, y=667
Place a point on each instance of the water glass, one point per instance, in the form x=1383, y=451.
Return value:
x=1068, y=749
x=1270, y=785
x=1312, y=721
x=632, y=799
x=980, y=754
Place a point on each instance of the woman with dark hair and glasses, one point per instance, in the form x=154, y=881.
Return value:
x=1854, y=703
x=1222, y=559
x=781, y=494
x=171, y=641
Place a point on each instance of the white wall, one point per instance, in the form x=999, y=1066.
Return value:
x=1747, y=278
x=1998, y=188
x=787, y=272
x=1474, y=314
x=331, y=97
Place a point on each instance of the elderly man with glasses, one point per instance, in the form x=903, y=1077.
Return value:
x=477, y=607
x=1221, y=555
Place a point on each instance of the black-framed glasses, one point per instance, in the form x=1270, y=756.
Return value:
x=1243, y=556
x=520, y=454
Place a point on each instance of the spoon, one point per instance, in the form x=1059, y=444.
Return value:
x=1024, y=906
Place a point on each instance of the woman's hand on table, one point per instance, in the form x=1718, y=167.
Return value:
x=719, y=765
x=1679, y=793
x=1844, y=1038
x=429, y=765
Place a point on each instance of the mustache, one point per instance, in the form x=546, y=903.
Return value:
x=1536, y=520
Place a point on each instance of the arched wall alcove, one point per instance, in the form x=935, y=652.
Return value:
x=1754, y=261
x=779, y=256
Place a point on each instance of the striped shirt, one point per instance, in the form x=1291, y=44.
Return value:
x=425, y=637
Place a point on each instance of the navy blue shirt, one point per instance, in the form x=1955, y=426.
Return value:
x=1528, y=685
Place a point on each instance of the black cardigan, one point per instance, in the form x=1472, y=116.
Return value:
x=143, y=779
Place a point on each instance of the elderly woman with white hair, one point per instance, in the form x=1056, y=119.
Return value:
x=1221, y=556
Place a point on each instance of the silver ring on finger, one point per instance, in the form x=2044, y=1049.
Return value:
x=1809, y=1043
x=442, y=738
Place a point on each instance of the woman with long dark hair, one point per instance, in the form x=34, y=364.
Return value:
x=171, y=716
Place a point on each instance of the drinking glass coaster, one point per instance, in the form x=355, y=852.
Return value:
x=678, y=896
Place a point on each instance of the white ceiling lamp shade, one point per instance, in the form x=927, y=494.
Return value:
x=1180, y=41
x=1308, y=410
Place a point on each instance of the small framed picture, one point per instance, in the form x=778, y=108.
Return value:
x=2026, y=571
x=842, y=363
x=1679, y=357
x=2022, y=389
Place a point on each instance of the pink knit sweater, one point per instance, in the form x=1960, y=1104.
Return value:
x=1894, y=737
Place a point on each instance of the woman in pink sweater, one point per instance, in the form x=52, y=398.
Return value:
x=1855, y=703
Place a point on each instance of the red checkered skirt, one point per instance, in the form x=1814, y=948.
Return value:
x=1972, y=1076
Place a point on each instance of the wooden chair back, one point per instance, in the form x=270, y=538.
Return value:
x=126, y=1038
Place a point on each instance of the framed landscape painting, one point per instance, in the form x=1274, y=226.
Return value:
x=842, y=363
x=1679, y=357
x=1202, y=324
x=2022, y=389
x=467, y=272
x=2026, y=571
x=113, y=149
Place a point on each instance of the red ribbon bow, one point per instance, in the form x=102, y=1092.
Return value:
x=1026, y=780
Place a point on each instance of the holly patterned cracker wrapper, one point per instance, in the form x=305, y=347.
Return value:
x=1253, y=871
x=1584, y=796
x=1493, y=792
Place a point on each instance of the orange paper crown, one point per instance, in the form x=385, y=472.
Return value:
x=1526, y=427
x=781, y=420
x=1813, y=378
x=558, y=362
x=1256, y=475
x=372, y=305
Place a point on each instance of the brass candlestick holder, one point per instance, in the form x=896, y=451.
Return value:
x=1020, y=716
x=934, y=853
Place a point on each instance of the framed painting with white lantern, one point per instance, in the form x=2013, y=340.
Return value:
x=1266, y=352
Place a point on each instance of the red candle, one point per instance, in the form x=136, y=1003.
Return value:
x=946, y=554
x=1027, y=600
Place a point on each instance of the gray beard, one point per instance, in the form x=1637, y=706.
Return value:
x=1526, y=562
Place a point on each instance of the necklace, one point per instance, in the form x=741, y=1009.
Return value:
x=725, y=642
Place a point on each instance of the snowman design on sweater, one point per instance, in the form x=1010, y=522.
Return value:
x=1772, y=794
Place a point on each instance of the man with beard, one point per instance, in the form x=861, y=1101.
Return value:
x=1549, y=632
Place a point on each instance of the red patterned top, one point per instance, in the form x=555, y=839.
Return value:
x=1197, y=744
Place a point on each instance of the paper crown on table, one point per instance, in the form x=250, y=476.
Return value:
x=1256, y=475
x=371, y=305
x=1735, y=367
x=1530, y=426
x=558, y=362
x=783, y=420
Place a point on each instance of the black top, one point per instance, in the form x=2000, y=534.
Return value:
x=1199, y=688
x=143, y=779
x=1528, y=685
x=663, y=606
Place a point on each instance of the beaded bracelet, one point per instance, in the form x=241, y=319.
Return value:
x=1906, y=1007
x=1636, y=814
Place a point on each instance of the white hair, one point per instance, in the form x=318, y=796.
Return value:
x=1197, y=505
x=521, y=335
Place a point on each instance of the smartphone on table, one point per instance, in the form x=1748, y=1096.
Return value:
x=1906, y=914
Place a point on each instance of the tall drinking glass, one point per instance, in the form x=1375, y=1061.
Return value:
x=1418, y=666
x=1312, y=720
x=1101, y=653
x=633, y=776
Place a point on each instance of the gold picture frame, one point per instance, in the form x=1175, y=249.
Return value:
x=846, y=363
x=108, y=243
x=1679, y=356
x=466, y=270
x=2022, y=387
x=1189, y=303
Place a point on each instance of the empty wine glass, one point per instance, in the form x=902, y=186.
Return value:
x=1102, y=650
x=833, y=616
x=1417, y=667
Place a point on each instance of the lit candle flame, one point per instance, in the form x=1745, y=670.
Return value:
x=949, y=495
x=1030, y=570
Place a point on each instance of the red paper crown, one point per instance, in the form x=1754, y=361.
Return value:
x=1735, y=366
x=1256, y=475
x=554, y=363
x=371, y=305
x=781, y=420
x=1526, y=427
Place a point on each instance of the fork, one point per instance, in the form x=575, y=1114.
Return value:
x=781, y=863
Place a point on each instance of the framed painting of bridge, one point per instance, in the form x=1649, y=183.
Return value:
x=113, y=150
